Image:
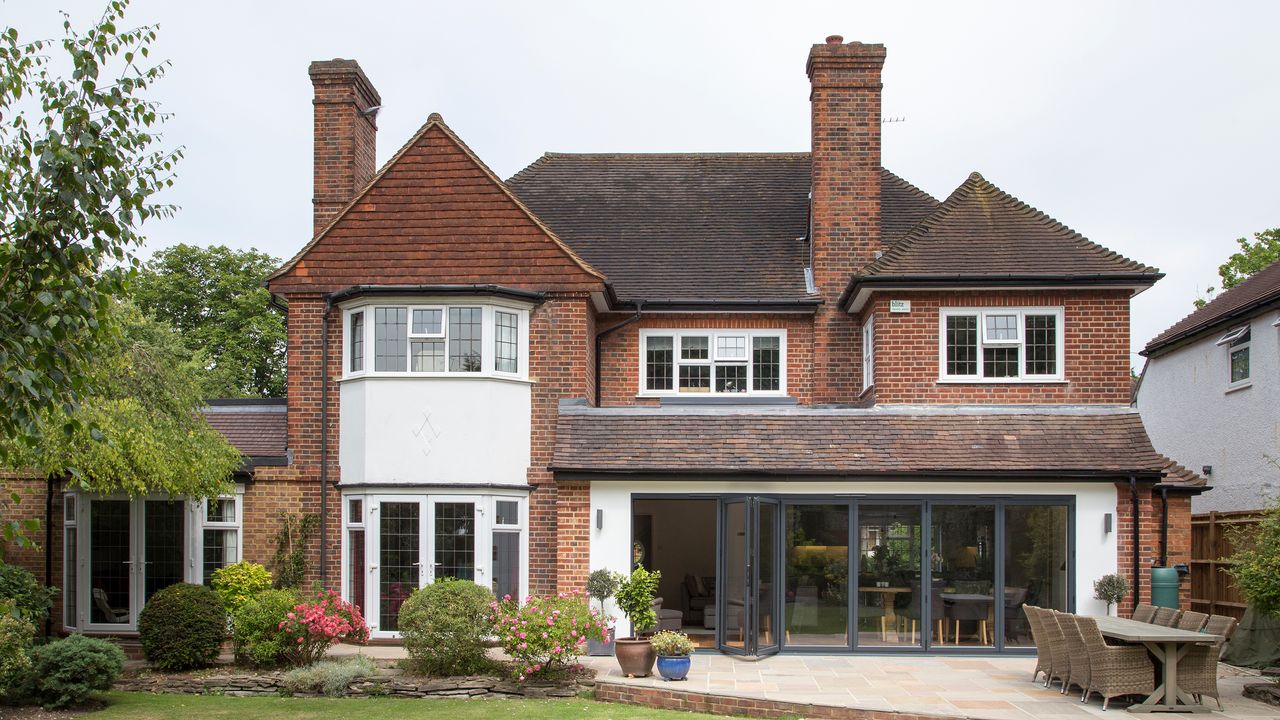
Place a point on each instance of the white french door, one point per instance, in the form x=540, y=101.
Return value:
x=415, y=541
x=133, y=549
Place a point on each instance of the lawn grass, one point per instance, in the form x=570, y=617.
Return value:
x=143, y=706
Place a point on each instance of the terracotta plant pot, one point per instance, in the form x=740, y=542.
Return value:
x=635, y=656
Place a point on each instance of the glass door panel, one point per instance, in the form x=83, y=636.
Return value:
x=110, y=562
x=731, y=589
x=816, y=561
x=454, y=540
x=399, y=558
x=765, y=549
x=1036, y=565
x=506, y=564
x=891, y=604
x=163, y=545
x=963, y=556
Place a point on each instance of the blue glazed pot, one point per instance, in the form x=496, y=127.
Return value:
x=673, y=667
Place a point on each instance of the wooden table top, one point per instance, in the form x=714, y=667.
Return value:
x=1134, y=631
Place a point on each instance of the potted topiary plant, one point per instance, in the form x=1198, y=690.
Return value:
x=601, y=585
x=635, y=599
x=673, y=649
x=1110, y=589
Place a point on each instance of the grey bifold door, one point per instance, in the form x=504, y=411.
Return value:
x=747, y=584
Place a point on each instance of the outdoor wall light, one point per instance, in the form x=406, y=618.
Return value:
x=1106, y=523
x=599, y=518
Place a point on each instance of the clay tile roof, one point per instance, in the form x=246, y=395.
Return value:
x=697, y=227
x=1177, y=475
x=854, y=442
x=981, y=231
x=257, y=428
x=1258, y=290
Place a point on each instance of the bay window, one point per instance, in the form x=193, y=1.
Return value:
x=467, y=339
x=712, y=362
x=1001, y=344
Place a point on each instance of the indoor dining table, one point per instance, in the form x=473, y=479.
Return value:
x=1168, y=645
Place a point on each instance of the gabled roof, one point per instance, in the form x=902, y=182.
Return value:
x=1240, y=302
x=432, y=212
x=884, y=441
x=701, y=227
x=981, y=233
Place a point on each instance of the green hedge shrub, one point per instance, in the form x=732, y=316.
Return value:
x=16, y=637
x=255, y=627
x=32, y=600
x=331, y=677
x=182, y=627
x=65, y=671
x=443, y=627
x=237, y=584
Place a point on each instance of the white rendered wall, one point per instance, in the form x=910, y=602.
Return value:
x=437, y=430
x=1192, y=417
x=1095, y=549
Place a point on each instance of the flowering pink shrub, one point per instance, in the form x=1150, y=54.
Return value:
x=311, y=628
x=545, y=635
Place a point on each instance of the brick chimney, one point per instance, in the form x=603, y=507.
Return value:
x=845, y=105
x=346, y=131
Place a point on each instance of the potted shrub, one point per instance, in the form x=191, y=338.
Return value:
x=1110, y=589
x=635, y=599
x=673, y=649
x=601, y=585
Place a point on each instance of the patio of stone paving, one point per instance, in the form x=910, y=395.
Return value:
x=972, y=687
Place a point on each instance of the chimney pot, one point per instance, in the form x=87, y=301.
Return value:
x=835, y=39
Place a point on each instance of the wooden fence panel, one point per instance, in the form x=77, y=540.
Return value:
x=1212, y=589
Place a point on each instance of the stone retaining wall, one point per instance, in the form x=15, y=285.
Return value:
x=252, y=684
x=724, y=705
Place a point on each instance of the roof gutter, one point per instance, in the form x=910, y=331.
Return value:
x=1192, y=334
x=599, y=343
x=1109, y=476
x=951, y=281
x=472, y=289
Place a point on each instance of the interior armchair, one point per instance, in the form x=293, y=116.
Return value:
x=697, y=596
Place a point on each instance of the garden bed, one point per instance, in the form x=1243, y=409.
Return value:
x=1268, y=693
x=387, y=682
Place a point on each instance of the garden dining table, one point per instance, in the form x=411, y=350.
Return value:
x=1168, y=645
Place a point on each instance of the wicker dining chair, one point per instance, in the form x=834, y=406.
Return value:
x=1060, y=660
x=1198, y=669
x=1166, y=617
x=1144, y=612
x=1080, y=661
x=1044, y=653
x=1115, y=670
x=1192, y=621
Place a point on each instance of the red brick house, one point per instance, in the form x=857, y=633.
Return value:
x=836, y=412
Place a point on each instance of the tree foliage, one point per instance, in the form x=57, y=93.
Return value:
x=1253, y=256
x=1256, y=561
x=214, y=298
x=141, y=430
x=80, y=163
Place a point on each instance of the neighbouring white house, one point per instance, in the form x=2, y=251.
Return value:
x=1210, y=394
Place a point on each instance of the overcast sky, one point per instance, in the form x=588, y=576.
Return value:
x=1148, y=127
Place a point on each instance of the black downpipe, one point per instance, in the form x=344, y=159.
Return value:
x=1164, y=527
x=48, y=548
x=607, y=331
x=1137, y=535
x=324, y=439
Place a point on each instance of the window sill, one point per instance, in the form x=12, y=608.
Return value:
x=1241, y=386
x=419, y=376
x=717, y=397
x=1002, y=381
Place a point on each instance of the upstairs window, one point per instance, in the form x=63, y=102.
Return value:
x=720, y=362
x=1237, y=342
x=869, y=352
x=1001, y=344
x=464, y=339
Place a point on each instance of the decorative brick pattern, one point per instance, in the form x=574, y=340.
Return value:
x=1096, y=362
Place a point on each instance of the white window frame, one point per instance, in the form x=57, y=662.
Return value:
x=869, y=352
x=1021, y=344
x=488, y=337
x=1231, y=341
x=678, y=336
x=202, y=523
